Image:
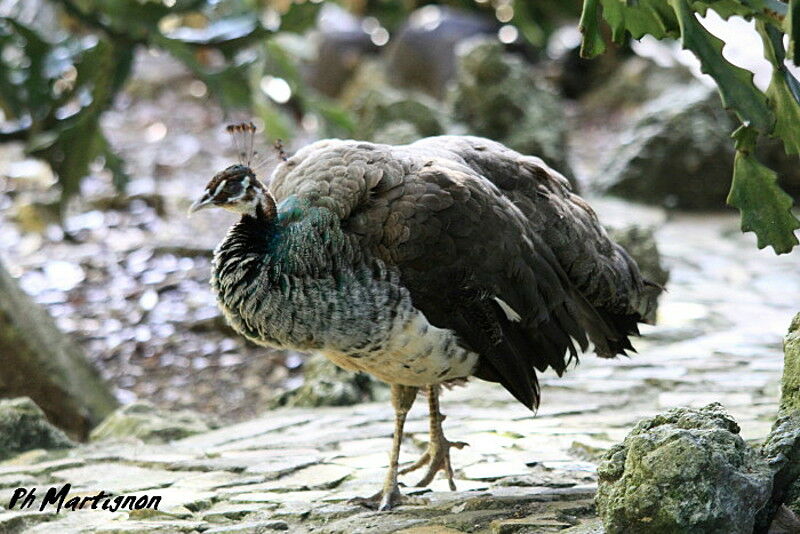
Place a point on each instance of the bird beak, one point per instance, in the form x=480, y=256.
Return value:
x=201, y=203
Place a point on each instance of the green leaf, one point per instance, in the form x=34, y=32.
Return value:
x=70, y=144
x=792, y=25
x=229, y=84
x=78, y=146
x=533, y=25
x=276, y=124
x=113, y=163
x=131, y=18
x=783, y=93
x=300, y=17
x=639, y=18
x=26, y=89
x=229, y=34
x=281, y=64
x=765, y=207
x=727, y=8
x=735, y=84
x=787, y=113
x=339, y=122
x=593, y=44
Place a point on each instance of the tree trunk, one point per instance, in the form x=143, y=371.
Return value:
x=39, y=361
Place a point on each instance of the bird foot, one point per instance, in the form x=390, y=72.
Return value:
x=437, y=458
x=384, y=501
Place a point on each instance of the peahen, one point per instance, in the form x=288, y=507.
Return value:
x=423, y=264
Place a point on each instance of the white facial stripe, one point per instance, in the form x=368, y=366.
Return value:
x=219, y=187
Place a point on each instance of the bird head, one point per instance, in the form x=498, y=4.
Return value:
x=238, y=190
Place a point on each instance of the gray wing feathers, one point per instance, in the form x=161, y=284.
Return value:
x=447, y=207
x=604, y=274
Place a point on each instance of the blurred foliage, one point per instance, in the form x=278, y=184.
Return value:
x=56, y=81
x=57, y=77
x=765, y=207
x=535, y=19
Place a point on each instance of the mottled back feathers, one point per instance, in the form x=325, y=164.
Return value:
x=489, y=243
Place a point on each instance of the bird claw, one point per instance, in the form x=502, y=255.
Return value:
x=384, y=501
x=437, y=457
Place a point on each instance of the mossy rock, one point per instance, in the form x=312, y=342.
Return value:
x=678, y=153
x=790, y=384
x=499, y=96
x=639, y=242
x=24, y=427
x=144, y=421
x=385, y=114
x=684, y=471
x=782, y=447
x=325, y=384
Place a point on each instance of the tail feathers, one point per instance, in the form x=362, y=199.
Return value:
x=521, y=349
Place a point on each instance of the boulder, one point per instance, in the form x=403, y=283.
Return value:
x=683, y=471
x=782, y=452
x=633, y=82
x=422, y=55
x=639, y=241
x=576, y=76
x=678, y=152
x=144, y=421
x=325, y=384
x=386, y=114
x=341, y=45
x=790, y=383
x=498, y=95
x=24, y=427
x=782, y=447
x=633, y=226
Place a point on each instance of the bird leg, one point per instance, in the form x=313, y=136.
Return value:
x=389, y=496
x=437, y=457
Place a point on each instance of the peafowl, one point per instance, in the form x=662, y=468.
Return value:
x=422, y=264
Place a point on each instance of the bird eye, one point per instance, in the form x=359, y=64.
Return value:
x=233, y=188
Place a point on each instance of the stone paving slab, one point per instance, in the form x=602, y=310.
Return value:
x=294, y=470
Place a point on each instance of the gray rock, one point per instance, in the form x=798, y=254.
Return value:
x=782, y=452
x=371, y=523
x=497, y=95
x=684, y=471
x=23, y=427
x=635, y=82
x=429, y=37
x=386, y=114
x=679, y=153
x=782, y=447
x=325, y=384
x=590, y=526
x=639, y=242
x=785, y=522
x=790, y=383
x=144, y=421
x=341, y=45
x=577, y=76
